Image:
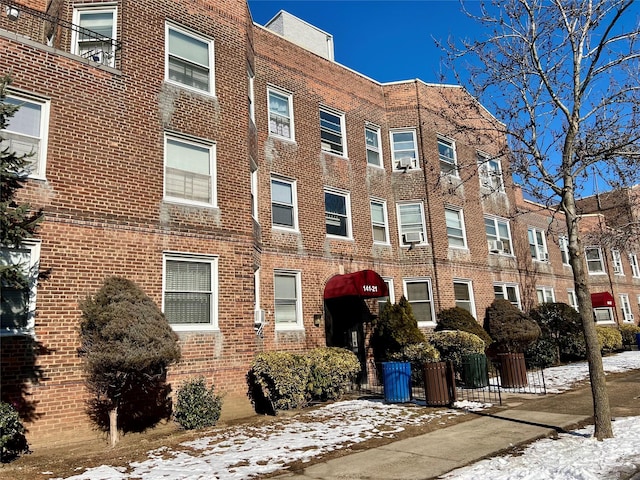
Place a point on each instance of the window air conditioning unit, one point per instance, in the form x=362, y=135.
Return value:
x=258, y=318
x=406, y=162
x=412, y=237
x=496, y=246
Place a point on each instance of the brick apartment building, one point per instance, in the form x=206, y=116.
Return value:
x=242, y=177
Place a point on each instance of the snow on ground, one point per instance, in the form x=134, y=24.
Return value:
x=247, y=451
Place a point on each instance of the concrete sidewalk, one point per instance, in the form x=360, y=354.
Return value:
x=436, y=453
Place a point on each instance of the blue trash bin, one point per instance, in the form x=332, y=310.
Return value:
x=638, y=340
x=396, y=380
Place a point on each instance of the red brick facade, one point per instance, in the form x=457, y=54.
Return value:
x=107, y=213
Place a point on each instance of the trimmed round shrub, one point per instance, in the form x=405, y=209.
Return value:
x=417, y=354
x=629, y=332
x=331, y=371
x=13, y=442
x=561, y=325
x=278, y=381
x=610, y=339
x=196, y=405
x=457, y=318
x=454, y=345
x=512, y=331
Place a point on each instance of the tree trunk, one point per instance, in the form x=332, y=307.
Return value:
x=601, y=410
x=113, y=426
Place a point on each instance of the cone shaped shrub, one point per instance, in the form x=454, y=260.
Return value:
x=394, y=329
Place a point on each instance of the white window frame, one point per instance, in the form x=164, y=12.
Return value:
x=273, y=124
x=380, y=225
x=616, y=262
x=490, y=172
x=97, y=55
x=538, y=244
x=573, y=299
x=347, y=215
x=427, y=280
x=31, y=271
x=471, y=301
x=205, y=145
x=504, y=287
x=563, y=245
x=37, y=171
x=254, y=191
x=600, y=260
x=545, y=294
x=251, y=96
x=398, y=156
x=450, y=161
x=625, y=306
x=328, y=146
x=373, y=149
x=211, y=59
x=635, y=266
x=498, y=237
x=460, y=220
x=298, y=324
x=402, y=231
x=391, y=297
x=212, y=260
x=294, y=205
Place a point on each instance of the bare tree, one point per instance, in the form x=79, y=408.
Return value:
x=563, y=77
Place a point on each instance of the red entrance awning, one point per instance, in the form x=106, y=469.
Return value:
x=365, y=283
x=602, y=299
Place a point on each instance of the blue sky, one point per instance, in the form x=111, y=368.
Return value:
x=387, y=40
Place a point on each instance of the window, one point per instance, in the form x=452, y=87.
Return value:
x=390, y=298
x=498, y=235
x=603, y=315
x=332, y=132
x=508, y=292
x=254, y=191
x=626, y=307
x=490, y=173
x=545, y=295
x=190, y=293
x=464, y=295
x=563, y=244
x=411, y=224
x=455, y=228
x=635, y=268
x=573, y=300
x=18, y=302
x=283, y=203
x=447, y=155
x=379, y=221
x=288, y=308
x=189, y=175
x=26, y=131
x=538, y=244
x=280, y=114
x=595, y=265
x=189, y=60
x=404, y=149
x=96, y=38
x=337, y=211
x=251, y=99
x=617, y=262
x=373, y=143
x=418, y=293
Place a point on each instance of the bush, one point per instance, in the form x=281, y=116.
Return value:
x=561, y=326
x=512, y=331
x=13, y=442
x=629, y=332
x=331, y=372
x=196, y=405
x=454, y=345
x=416, y=354
x=394, y=329
x=610, y=339
x=278, y=381
x=457, y=318
x=542, y=353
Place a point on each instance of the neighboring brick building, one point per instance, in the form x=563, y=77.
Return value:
x=232, y=172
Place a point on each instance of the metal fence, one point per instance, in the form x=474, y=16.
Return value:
x=485, y=382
